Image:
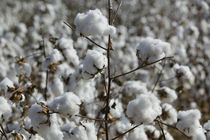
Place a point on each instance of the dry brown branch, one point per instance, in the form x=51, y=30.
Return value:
x=85, y=36
x=141, y=66
x=171, y=126
x=126, y=132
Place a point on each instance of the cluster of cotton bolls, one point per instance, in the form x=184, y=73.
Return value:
x=54, y=79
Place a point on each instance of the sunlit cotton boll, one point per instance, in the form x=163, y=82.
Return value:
x=144, y=109
x=94, y=62
x=188, y=121
x=66, y=104
x=94, y=23
x=151, y=50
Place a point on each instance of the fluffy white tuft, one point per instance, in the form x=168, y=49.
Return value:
x=66, y=104
x=151, y=50
x=94, y=62
x=144, y=109
x=94, y=23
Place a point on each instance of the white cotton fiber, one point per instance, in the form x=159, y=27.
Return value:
x=66, y=44
x=94, y=62
x=151, y=50
x=144, y=109
x=94, y=23
x=5, y=83
x=188, y=121
x=66, y=104
x=56, y=86
x=5, y=108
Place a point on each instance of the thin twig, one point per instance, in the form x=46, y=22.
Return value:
x=126, y=132
x=171, y=126
x=89, y=118
x=115, y=14
x=141, y=66
x=85, y=36
x=159, y=76
x=109, y=73
x=36, y=53
x=3, y=132
x=164, y=137
x=47, y=72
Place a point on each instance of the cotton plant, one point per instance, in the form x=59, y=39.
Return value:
x=92, y=91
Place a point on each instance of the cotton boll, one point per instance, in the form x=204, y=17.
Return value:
x=56, y=86
x=169, y=114
x=188, y=121
x=144, y=109
x=199, y=135
x=66, y=45
x=131, y=89
x=135, y=87
x=5, y=108
x=91, y=131
x=67, y=128
x=206, y=126
x=86, y=90
x=93, y=23
x=85, y=132
x=120, y=127
x=151, y=131
x=24, y=69
x=66, y=104
x=54, y=57
x=137, y=134
x=52, y=131
x=185, y=75
x=116, y=109
x=191, y=34
x=94, y=62
x=151, y=50
x=37, y=118
x=166, y=95
x=5, y=83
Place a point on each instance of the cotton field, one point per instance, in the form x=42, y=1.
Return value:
x=104, y=70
